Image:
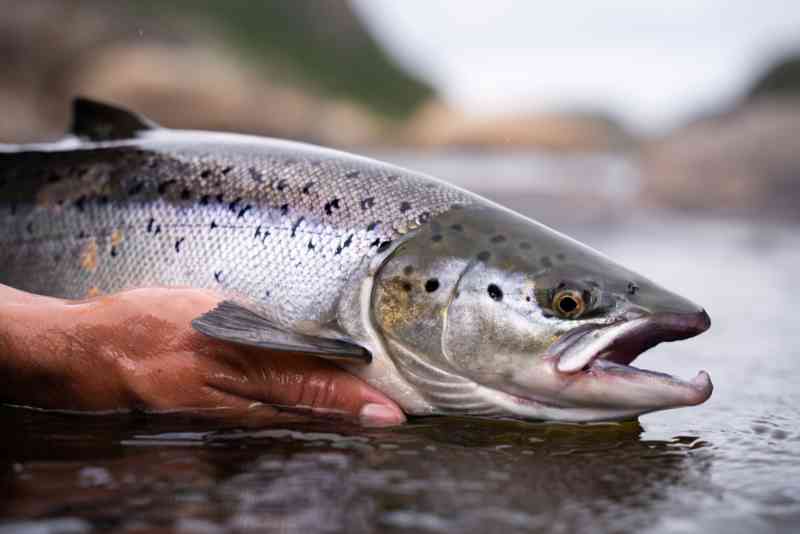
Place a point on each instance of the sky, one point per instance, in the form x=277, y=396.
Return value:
x=650, y=64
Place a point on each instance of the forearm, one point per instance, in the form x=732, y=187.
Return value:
x=43, y=362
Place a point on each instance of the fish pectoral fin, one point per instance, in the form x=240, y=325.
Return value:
x=97, y=121
x=233, y=322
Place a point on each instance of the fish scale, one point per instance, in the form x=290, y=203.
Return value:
x=256, y=222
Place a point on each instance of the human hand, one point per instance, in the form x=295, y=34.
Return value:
x=137, y=350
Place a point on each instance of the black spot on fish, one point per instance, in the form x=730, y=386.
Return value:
x=431, y=285
x=408, y=270
x=436, y=238
x=347, y=242
x=367, y=203
x=352, y=174
x=29, y=227
x=163, y=186
x=371, y=226
x=234, y=204
x=384, y=246
x=633, y=288
x=258, y=231
x=80, y=203
x=243, y=211
x=404, y=206
x=495, y=293
x=82, y=235
x=255, y=175
x=392, y=177
x=267, y=293
x=423, y=217
x=456, y=227
x=178, y=244
x=218, y=276
x=307, y=188
x=296, y=225
x=546, y=262
x=220, y=198
x=226, y=170
x=150, y=225
x=186, y=194
x=560, y=257
x=204, y=200
x=136, y=189
x=498, y=239
x=158, y=230
x=284, y=209
x=281, y=185
x=485, y=255
x=102, y=200
x=525, y=245
x=311, y=245
x=407, y=287
x=113, y=252
x=205, y=174
x=213, y=225
x=375, y=243
x=332, y=205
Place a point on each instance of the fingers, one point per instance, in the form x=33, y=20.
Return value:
x=303, y=383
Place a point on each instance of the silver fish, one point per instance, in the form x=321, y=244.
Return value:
x=441, y=299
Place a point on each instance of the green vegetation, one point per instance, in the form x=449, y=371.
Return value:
x=320, y=44
x=782, y=78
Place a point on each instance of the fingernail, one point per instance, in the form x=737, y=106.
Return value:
x=379, y=415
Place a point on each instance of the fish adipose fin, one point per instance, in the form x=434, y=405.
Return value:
x=230, y=321
x=97, y=121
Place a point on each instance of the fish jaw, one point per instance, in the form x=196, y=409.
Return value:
x=587, y=375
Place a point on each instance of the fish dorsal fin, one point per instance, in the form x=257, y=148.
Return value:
x=97, y=121
x=231, y=321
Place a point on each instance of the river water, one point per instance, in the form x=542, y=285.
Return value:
x=730, y=465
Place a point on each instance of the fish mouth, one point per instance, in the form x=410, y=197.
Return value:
x=603, y=353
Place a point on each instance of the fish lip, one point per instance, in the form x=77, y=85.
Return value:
x=607, y=350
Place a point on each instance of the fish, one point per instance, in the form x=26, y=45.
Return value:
x=444, y=301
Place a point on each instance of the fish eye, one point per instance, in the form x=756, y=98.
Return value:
x=569, y=304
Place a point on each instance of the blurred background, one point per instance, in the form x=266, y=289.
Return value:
x=666, y=134
x=690, y=105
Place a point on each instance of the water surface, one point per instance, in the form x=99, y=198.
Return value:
x=730, y=465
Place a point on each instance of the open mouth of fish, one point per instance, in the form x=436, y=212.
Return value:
x=592, y=352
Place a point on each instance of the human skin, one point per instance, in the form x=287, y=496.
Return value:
x=137, y=350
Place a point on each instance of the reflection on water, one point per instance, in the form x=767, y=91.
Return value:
x=435, y=474
x=730, y=465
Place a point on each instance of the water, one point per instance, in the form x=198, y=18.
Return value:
x=730, y=465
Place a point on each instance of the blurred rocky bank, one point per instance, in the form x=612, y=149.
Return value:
x=311, y=71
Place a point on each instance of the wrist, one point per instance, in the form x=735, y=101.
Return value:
x=44, y=359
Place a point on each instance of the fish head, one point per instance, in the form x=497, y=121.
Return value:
x=542, y=326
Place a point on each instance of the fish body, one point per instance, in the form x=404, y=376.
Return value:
x=450, y=295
